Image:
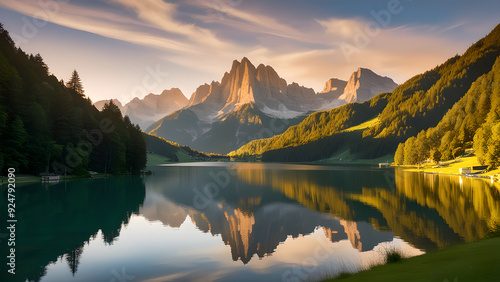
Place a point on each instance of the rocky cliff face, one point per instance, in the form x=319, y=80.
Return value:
x=151, y=108
x=217, y=116
x=262, y=86
x=200, y=94
x=168, y=101
x=364, y=84
x=333, y=89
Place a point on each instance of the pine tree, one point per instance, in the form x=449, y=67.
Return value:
x=73, y=258
x=75, y=83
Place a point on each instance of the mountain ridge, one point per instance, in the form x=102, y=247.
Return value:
x=245, y=83
x=152, y=107
x=360, y=90
x=416, y=105
x=211, y=106
x=333, y=89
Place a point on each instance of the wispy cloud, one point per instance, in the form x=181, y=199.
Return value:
x=161, y=14
x=203, y=37
x=258, y=23
x=343, y=28
x=453, y=26
x=412, y=50
x=104, y=23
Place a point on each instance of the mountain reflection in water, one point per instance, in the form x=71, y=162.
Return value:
x=265, y=218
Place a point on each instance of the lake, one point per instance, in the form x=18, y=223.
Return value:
x=240, y=222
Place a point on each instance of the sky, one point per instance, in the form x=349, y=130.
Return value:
x=129, y=48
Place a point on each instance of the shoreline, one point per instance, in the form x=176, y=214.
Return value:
x=24, y=178
x=453, y=168
x=446, y=264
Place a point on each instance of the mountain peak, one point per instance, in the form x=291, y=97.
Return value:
x=171, y=90
x=334, y=84
x=333, y=89
x=246, y=64
x=365, y=71
x=246, y=84
x=150, y=108
x=365, y=84
x=245, y=60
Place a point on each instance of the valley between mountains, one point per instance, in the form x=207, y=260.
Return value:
x=255, y=114
x=248, y=103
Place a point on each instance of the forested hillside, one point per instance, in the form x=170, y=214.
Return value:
x=418, y=104
x=422, y=101
x=473, y=122
x=49, y=125
x=318, y=125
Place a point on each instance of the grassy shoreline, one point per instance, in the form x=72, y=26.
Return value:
x=450, y=167
x=473, y=261
x=476, y=261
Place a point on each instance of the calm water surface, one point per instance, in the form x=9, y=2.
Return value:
x=240, y=222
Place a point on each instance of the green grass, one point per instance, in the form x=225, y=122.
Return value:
x=346, y=155
x=154, y=160
x=26, y=178
x=393, y=255
x=344, y=275
x=452, y=167
x=20, y=178
x=184, y=157
x=348, y=158
x=363, y=125
x=477, y=261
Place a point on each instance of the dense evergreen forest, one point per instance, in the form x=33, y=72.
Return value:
x=413, y=108
x=47, y=125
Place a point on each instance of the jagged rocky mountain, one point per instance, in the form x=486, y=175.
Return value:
x=151, y=108
x=364, y=84
x=253, y=103
x=333, y=89
x=443, y=110
x=261, y=86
